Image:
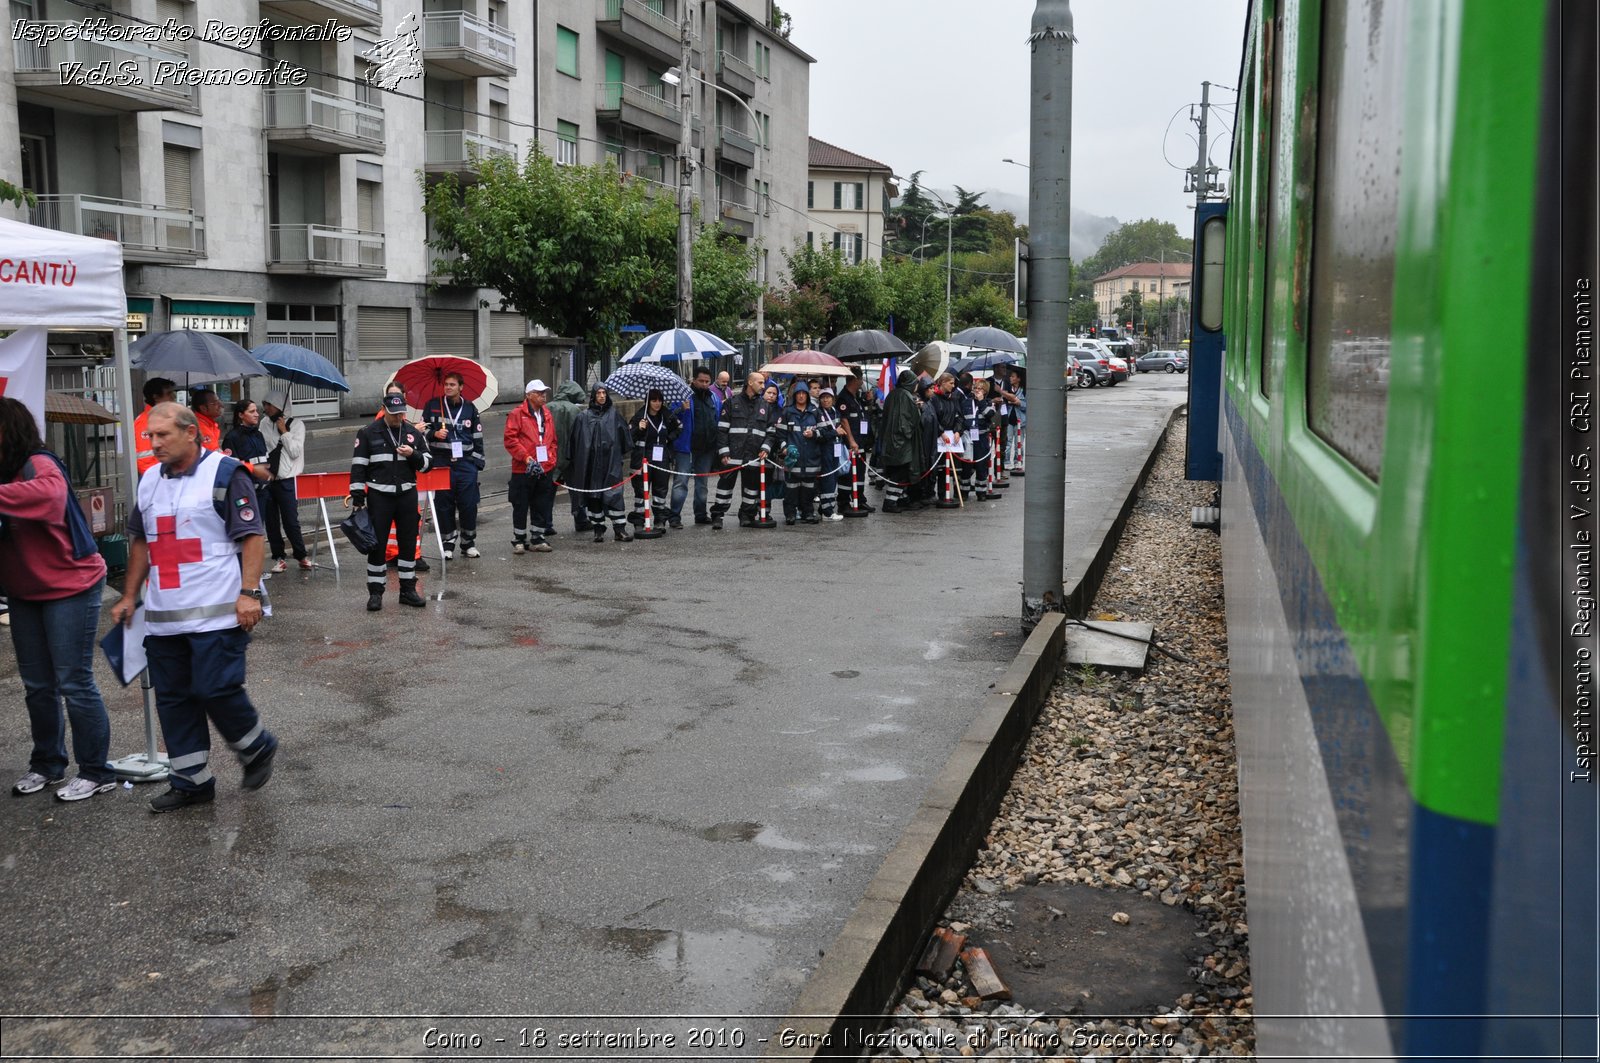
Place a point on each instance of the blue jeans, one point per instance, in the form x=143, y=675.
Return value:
x=690, y=463
x=200, y=677
x=55, y=656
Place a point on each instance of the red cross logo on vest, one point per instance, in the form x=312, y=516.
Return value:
x=168, y=553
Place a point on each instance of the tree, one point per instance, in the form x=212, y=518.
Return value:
x=575, y=248
x=725, y=288
x=916, y=299
x=799, y=313
x=861, y=299
x=1081, y=314
x=984, y=305
x=1131, y=309
x=1139, y=241
x=22, y=197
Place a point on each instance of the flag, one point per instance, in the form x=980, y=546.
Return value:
x=886, y=378
x=22, y=359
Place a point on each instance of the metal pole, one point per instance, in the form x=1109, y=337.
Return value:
x=949, y=252
x=1049, y=212
x=685, y=170
x=1201, y=181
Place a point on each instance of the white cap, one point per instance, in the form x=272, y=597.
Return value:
x=535, y=385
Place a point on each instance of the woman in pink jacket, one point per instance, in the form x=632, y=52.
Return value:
x=53, y=575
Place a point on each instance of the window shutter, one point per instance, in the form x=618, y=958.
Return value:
x=179, y=178
x=367, y=206
x=505, y=334
x=811, y=194
x=452, y=332
x=838, y=195
x=858, y=247
x=383, y=332
x=861, y=197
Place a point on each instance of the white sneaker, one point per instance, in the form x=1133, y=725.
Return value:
x=833, y=516
x=80, y=788
x=32, y=783
x=519, y=548
x=472, y=551
x=449, y=555
x=280, y=565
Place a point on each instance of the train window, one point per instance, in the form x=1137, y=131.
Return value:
x=1276, y=291
x=1360, y=133
x=1213, y=238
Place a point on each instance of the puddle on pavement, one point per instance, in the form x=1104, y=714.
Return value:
x=731, y=832
x=877, y=773
x=771, y=839
x=847, y=673
x=641, y=941
x=778, y=874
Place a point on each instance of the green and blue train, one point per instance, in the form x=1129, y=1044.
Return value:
x=1391, y=377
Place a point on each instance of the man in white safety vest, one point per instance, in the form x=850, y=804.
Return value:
x=197, y=534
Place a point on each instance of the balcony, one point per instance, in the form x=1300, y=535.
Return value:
x=735, y=74
x=457, y=45
x=639, y=108
x=312, y=122
x=458, y=151
x=147, y=232
x=639, y=23
x=325, y=251
x=345, y=12
x=736, y=147
x=98, y=76
x=736, y=218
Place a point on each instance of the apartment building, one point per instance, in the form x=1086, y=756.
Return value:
x=291, y=210
x=1152, y=280
x=847, y=200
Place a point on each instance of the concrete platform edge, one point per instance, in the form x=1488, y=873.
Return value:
x=865, y=969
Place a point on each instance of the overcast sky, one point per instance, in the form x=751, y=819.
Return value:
x=943, y=86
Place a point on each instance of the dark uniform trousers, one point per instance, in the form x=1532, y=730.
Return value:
x=200, y=676
x=399, y=509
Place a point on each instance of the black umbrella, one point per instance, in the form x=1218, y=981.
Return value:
x=989, y=338
x=204, y=354
x=865, y=343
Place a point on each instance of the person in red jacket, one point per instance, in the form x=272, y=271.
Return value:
x=531, y=441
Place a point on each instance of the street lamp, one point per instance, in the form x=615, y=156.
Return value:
x=674, y=76
x=949, y=247
x=1014, y=162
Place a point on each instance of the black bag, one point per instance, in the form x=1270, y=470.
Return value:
x=357, y=527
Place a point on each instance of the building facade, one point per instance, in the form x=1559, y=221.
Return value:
x=282, y=199
x=847, y=200
x=1154, y=281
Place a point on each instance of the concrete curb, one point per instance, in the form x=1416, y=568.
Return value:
x=1079, y=591
x=844, y=1000
x=861, y=976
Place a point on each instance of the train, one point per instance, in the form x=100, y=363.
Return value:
x=1391, y=384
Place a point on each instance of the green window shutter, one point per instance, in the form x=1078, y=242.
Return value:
x=566, y=51
x=861, y=196
x=811, y=194
x=838, y=195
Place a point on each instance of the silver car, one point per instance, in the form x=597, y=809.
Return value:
x=1169, y=361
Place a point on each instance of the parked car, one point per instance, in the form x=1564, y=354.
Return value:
x=1169, y=361
x=1071, y=371
x=1094, y=369
x=1119, y=369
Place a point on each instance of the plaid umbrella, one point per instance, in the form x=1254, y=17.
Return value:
x=635, y=381
x=423, y=379
x=677, y=345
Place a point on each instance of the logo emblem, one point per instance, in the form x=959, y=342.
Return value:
x=397, y=58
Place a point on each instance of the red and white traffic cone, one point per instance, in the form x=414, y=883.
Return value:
x=764, y=518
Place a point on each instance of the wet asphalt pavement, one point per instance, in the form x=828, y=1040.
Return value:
x=646, y=779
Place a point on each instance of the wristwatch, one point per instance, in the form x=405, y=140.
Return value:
x=254, y=593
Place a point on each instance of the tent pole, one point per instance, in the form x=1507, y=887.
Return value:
x=151, y=765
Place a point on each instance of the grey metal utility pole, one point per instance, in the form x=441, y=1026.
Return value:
x=685, y=176
x=1049, y=231
x=1202, y=180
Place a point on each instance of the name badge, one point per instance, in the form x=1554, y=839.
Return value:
x=838, y=451
x=455, y=448
x=541, y=454
x=1004, y=409
x=658, y=453
x=864, y=428
x=972, y=433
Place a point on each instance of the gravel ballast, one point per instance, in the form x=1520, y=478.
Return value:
x=1129, y=785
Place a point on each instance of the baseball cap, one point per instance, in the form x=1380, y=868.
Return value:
x=535, y=385
x=394, y=404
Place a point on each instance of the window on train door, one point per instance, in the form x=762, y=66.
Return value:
x=1360, y=136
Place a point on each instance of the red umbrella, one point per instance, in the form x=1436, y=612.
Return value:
x=423, y=379
x=807, y=363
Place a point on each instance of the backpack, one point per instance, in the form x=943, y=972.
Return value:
x=83, y=543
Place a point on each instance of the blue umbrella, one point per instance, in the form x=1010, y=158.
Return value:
x=635, y=381
x=203, y=354
x=300, y=365
x=677, y=345
x=985, y=361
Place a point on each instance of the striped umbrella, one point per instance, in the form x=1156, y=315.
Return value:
x=677, y=345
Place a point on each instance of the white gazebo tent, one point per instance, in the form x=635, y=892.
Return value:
x=56, y=280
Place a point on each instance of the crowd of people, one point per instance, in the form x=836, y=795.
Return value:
x=208, y=503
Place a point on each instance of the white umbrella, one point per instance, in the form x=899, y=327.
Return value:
x=677, y=345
